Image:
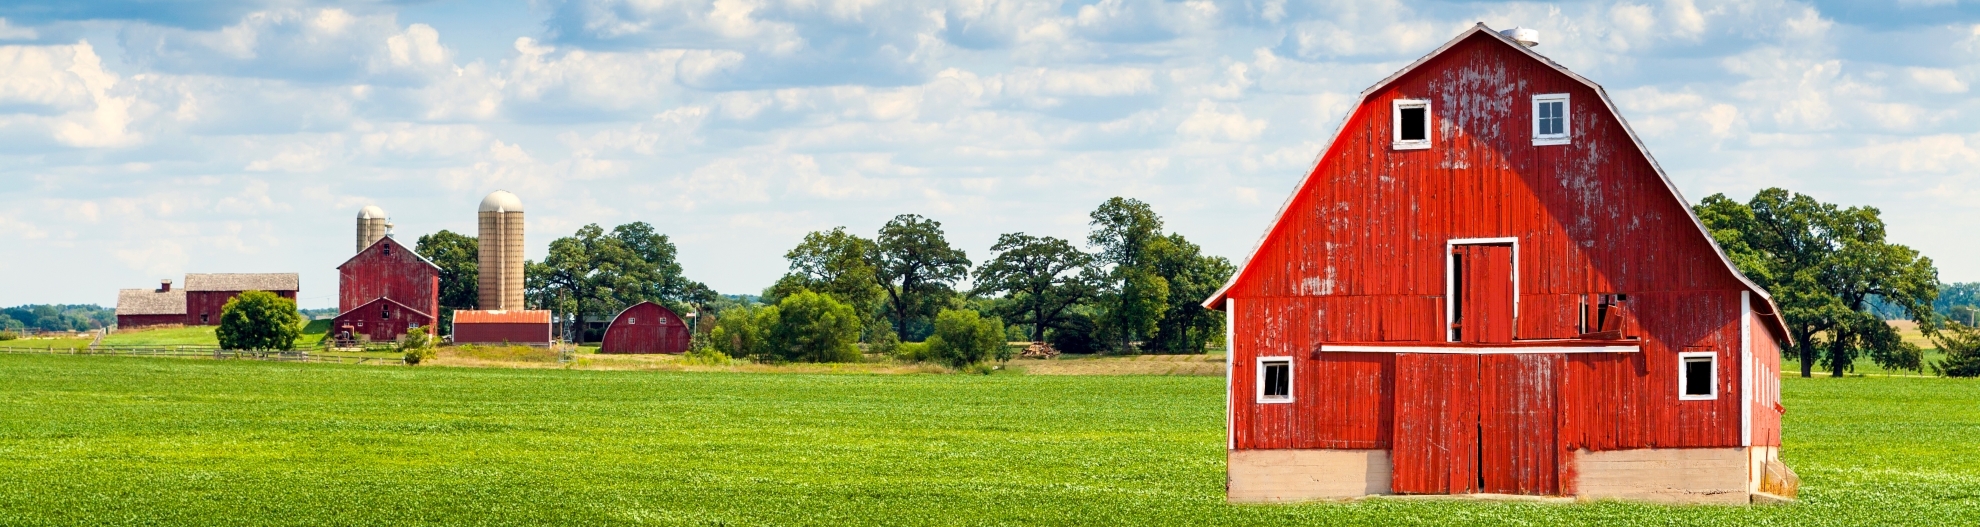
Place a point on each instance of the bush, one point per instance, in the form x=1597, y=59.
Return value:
x=417, y=346
x=964, y=337
x=884, y=343
x=1075, y=336
x=1961, y=344
x=911, y=352
x=811, y=327
x=8, y=335
x=706, y=356
x=738, y=333
x=259, y=320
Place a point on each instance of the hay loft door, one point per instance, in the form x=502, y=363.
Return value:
x=1483, y=290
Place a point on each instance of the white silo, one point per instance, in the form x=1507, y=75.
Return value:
x=501, y=258
x=371, y=225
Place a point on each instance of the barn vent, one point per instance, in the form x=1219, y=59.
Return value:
x=1526, y=37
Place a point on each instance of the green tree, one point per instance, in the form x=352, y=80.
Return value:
x=1185, y=326
x=916, y=268
x=1961, y=344
x=458, y=258
x=1042, y=277
x=810, y=327
x=259, y=320
x=597, y=273
x=1134, y=297
x=964, y=337
x=835, y=263
x=416, y=346
x=1824, y=264
x=739, y=331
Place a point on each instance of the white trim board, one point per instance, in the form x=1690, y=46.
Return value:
x=1476, y=350
x=1230, y=364
x=1450, y=279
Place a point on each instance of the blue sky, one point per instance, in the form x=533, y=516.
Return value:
x=144, y=139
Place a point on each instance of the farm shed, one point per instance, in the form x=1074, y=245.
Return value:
x=1485, y=284
x=513, y=326
x=206, y=294
x=143, y=308
x=387, y=270
x=646, y=327
x=380, y=320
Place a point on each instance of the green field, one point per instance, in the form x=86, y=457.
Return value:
x=115, y=440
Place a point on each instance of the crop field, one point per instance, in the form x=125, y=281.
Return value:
x=118, y=440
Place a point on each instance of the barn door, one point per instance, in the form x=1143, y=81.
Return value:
x=1482, y=293
x=1470, y=423
x=1518, y=442
x=1435, y=450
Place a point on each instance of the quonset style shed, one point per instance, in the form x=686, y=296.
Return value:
x=1486, y=285
x=386, y=289
x=646, y=327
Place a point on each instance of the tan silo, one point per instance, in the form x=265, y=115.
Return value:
x=371, y=225
x=501, y=222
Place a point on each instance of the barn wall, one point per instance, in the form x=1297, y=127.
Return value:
x=657, y=330
x=146, y=321
x=1766, y=386
x=1360, y=256
x=401, y=276
x=497, y=333
x=211, y=304
x=370, y=320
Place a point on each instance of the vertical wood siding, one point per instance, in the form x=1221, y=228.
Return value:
x=211, y=303
x=645, y=327
x=400, y=275
x=377, y=323
x=1360, y=256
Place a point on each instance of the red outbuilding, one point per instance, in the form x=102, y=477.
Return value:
x=150, y=308
x=646, y=327
x=531, y=327
x=387, y=270
x=1487, y=285
x=206, y=294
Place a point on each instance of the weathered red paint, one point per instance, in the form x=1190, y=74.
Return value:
x=203, y=307
x=645, y=327
x=1363, y=253
x=388, y=270
x=381, y=320
x=502, y=327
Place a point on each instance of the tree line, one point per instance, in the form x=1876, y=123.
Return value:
x=1132, y=288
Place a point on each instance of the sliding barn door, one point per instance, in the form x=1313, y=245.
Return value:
x=1482, y=293
x=1435, y=450
x=1517, y=435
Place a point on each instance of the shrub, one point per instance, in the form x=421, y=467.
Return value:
x=1076, y=335
x=884, y=343
x=706, y=356
x=811, y=327
x=259, y=320
x=964, y=337
x=911, y=352
x=8, y=335
x=1961, y=344
x=738, y=332
x=417, y=346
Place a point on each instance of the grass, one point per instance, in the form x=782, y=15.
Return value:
x=108, y=440
x=202, y=336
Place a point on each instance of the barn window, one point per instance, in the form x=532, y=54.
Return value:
x=1550, y=119
x=1275, y=380
x=632, y=320
x=1412, y=124
x=388, y=249
x=1698, y=375
x=385, y=313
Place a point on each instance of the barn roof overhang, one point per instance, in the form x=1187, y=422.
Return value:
x=1771, y=311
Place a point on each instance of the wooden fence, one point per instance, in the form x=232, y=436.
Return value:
x=194, y=352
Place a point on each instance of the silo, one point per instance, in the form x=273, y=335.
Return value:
x=371, y=225
x=501, y=233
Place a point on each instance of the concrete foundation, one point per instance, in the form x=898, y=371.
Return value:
x=1264, y=476
x=1667, y=475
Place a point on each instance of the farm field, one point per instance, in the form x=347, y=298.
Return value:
x=117, y=440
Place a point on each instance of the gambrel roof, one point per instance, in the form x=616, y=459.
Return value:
x=1769, y=312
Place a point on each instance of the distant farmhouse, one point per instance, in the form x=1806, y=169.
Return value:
x=199, y=304
x=386, y=288
x=1486, y=285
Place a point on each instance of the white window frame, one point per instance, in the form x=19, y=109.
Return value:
x=1450, y=276
x=1709, y=356
x=1567, y=122
x=1259, y=386
x=1395, y=124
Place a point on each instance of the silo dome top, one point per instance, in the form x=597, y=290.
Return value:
x=371, y=212
x=501, y=201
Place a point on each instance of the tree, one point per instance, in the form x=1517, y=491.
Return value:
x=835, y=263
x=1134, y=297
x=417, y=346
x=458, y=258
x=916, y=267
x=1185, y=326
x=259, y=320
x=963, y=337
x=596, y=273
x=1824, y=265
x=1961, y=344
x=1043, y=278
x=739, y=331
x=810, y=327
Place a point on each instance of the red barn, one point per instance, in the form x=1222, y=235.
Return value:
x=144, y=308
x=646, y=327
x=386, y=289
x=531, y=327
x=1487, y=285
x=206, y=294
